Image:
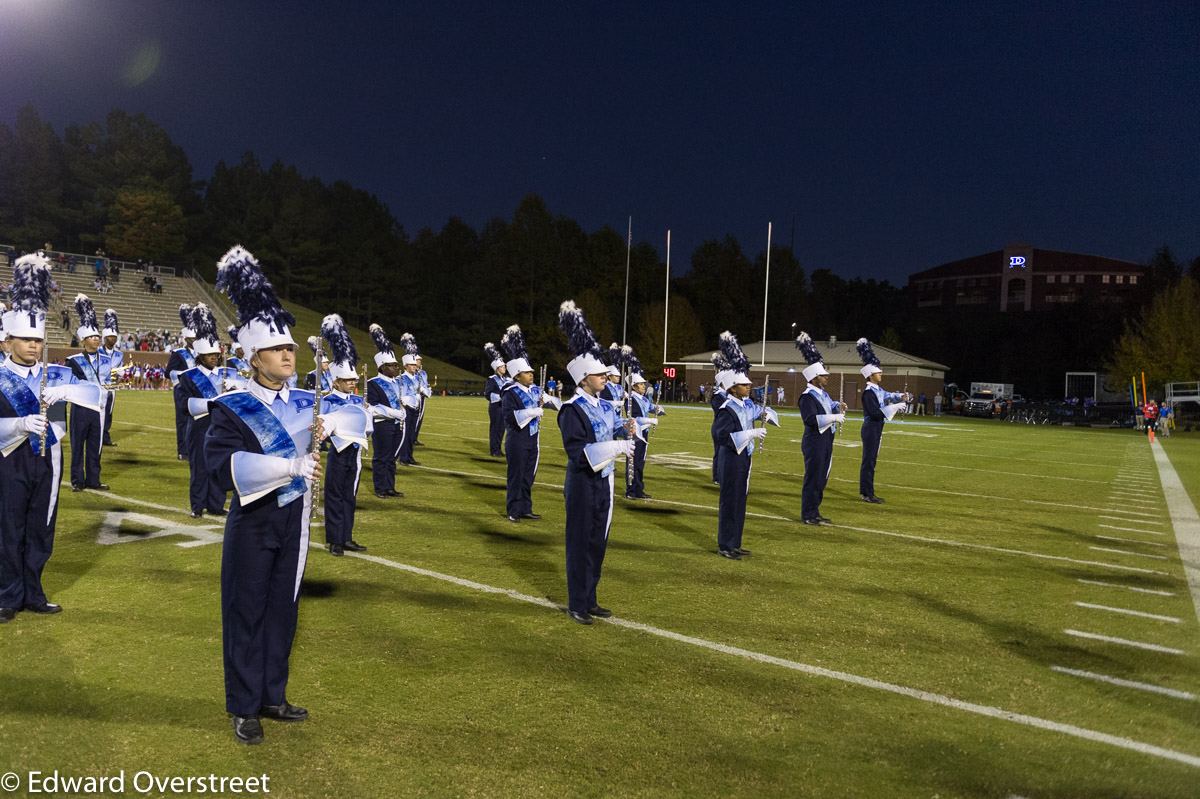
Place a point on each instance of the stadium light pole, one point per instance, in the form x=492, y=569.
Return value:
x=766, y=293
x=628, y=249
x=667, y=297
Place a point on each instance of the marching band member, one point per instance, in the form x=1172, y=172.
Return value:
x=640, y=408
x=182, y=359
x=111, y=362
x=878, y=406
x=716, y=400
x=87, y=425
x=425, y=391
x=820, y=413
x=383, y=395
x=588, y=425
x=613, y=391
x=260, y=446
x=522, y=408
x=343, y=467
x=199, y=386
x=734, y=433
x=237, y=360
x=492, y=391
x=411, y=397
x=310, y=379
x=30, y=444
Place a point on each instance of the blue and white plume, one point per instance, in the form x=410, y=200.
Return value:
x=495, y=359
x=632, y=365
x=342, y=353
x=202, y=322
x=112, y=326
x=30, y=297
x=812, y=356
x=513, y=345
x=263, y=322
x=409, y=343
x=386, y=353
x=185, y=319
x=88, y=324
x=869, y=359
x=589, y=357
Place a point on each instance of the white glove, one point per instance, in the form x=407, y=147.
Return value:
x=304, y=466
x=427, y=391
x=197, y=407
x=771, y=416
x=603, y=453
x=32, y=424
x=55, y=394
x=410, y=401
x=659, y=410
x=526, y=415
x=758, y=432
x=553, y=402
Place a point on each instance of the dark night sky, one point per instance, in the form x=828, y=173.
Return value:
x=900, y=135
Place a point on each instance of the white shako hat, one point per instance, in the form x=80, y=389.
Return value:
x=869, y=359
x=581, y=341
x=386, y=353
x=495, y=359
x=111, y=326
x=30, y=297
x=205, y=325
x=739, y=364
x=262, y=322
x=513, y=345
x=88, y=325
x=812, y=355
x=343, y=355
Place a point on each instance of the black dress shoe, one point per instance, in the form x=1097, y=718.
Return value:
x=7, y=615
x=108, y=444
x=534, y=516
x=418, y=444
x=44, y=608
x=217, y=512
x=336, y=550
x=284, y=712
x=599, y=612
x=732, y=554
x=824, y=520
x=815, y=521
x=874, y=500
x=391, y=492
x=644, y=495
x=182, y=458
x=354, y=546
x=76, y=489
x=383, y=495
x=411, y=463
x=248, y=730
x=197, y=514
x=98, y=487
x=742, y=552
x=580, y=618
x=514, y=519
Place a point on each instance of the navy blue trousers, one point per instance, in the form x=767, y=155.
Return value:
x=203, y=491
x=871, y=434
x=495, y=428
x=818, y=455
x=181, y=421
x=86, y=437
x=260, y=573
x=636, y=484
x=28, y=510
x=589, y=514
x=735, y=485
x=341, y=488
x=108, y=416
x=522, y=452
x=410, y=429
x=386, y=440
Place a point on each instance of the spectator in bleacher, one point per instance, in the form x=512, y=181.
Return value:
x=66, y=319
x=98, y=265
x=114, y=272
x=60, y=264
x=71, y=263
x=158, y=286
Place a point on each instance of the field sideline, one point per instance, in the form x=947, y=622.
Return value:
x=1016, y=620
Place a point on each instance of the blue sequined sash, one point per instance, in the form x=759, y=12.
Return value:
x=25, y=403
x=271, y=435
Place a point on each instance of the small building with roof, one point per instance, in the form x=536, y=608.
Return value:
x=782, y=364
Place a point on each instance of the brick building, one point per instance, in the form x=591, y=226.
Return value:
x=1023, y=278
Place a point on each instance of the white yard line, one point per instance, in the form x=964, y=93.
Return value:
x=1129, y=540
x=1127, y=552
x=1184, y=519
x=1128, y=512
x=1141, y=686
x=146, y=426
x=1119, y=519
x=819, y=671
x=1126, y=642
x=1128, y=587
x=1127, y=612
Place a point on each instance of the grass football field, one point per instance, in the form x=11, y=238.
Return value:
x=1015, y=621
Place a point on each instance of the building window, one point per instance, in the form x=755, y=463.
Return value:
x=1079, y=278
x=1105, y=278
x=1120, y=279
x=1016, y=291
x=959, y=283
x=1133, y=280
x=1049, y=278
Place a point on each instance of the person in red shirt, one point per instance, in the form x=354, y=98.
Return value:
x=1150, y=414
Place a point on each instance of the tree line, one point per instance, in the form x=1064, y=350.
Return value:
x=124, y=186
